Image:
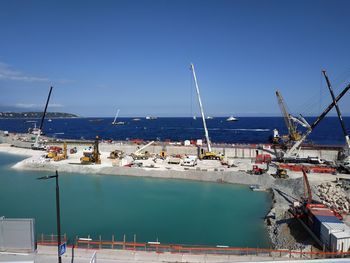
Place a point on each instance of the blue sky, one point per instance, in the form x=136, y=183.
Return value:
x=135, y=55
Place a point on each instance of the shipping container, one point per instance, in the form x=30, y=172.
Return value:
x=340, y=241
x=316, y=221
x=327, y=228
x=322, y=212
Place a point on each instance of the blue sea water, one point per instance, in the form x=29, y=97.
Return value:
x=246, y=130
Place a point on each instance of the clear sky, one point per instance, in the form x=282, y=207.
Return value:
x=135, y=55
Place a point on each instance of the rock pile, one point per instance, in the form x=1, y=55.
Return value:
x=334, y=197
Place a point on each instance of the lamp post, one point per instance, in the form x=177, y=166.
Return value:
x=57, y=212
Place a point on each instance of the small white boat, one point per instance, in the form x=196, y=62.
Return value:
x=136, y=119
x=231, y=118
x=49, y=120
x=209, y=118
x=115, y=122
x=194, y=117
x=257, y=188
x=151, y=118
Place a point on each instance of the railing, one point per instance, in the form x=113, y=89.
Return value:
x=88, y=243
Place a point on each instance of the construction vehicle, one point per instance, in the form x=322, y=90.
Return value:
x=291, y=154
x=256, y=170
x=116, y=154
x=63, y=156
x=37, y=145
x=73, y=150
x=290, y=121
x=53, y=151
x=209, y=154
x=139, y=155
x=163, y=152
x=92, y=154
x=281, y=173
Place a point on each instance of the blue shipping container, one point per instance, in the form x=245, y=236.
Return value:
x=317, y=220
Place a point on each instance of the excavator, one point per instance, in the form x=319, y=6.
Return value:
x=91, y=155
x=290, y=121
x=209, y=154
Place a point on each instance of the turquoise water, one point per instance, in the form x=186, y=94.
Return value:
x=173, y=211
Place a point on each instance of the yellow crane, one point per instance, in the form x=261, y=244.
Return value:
x=290, y=121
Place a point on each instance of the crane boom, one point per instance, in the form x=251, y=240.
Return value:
x=307, y=188
x=285, y=113
x=316, y=122
x=338, y=111
x=143, y=147
x=36, y=144
x=47, y=103
x=201, y=107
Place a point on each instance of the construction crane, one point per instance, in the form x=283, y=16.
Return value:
x=347, y=141
x=291, y=121
x=208, y=154
x=37, y=145
x=138, y=153
x=291, y=152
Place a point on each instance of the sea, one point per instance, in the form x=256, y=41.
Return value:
x=245, y=130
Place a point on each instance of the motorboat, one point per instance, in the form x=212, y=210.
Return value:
x=151, y=118
x=231, y=118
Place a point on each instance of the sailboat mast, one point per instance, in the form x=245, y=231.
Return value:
x=201, y=107
x=116, y=115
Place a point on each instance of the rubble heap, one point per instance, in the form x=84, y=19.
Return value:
x=334, y=196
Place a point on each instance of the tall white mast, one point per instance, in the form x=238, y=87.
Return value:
x=116, y=116
x=201, y=107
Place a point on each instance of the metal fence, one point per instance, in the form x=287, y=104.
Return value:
x=88, y=243
x=17, y=235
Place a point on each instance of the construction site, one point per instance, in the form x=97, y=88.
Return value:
x=310, y=183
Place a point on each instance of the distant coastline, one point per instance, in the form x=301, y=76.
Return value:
x=35, y=115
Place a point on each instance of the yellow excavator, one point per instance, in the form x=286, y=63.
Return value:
x=92, y=154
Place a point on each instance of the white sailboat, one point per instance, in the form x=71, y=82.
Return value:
x=115, y=119
x=231, y=118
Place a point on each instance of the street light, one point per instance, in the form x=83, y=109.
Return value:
x=57, y=212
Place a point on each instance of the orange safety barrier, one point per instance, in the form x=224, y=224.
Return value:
x=190, y=249
x=308, y=168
